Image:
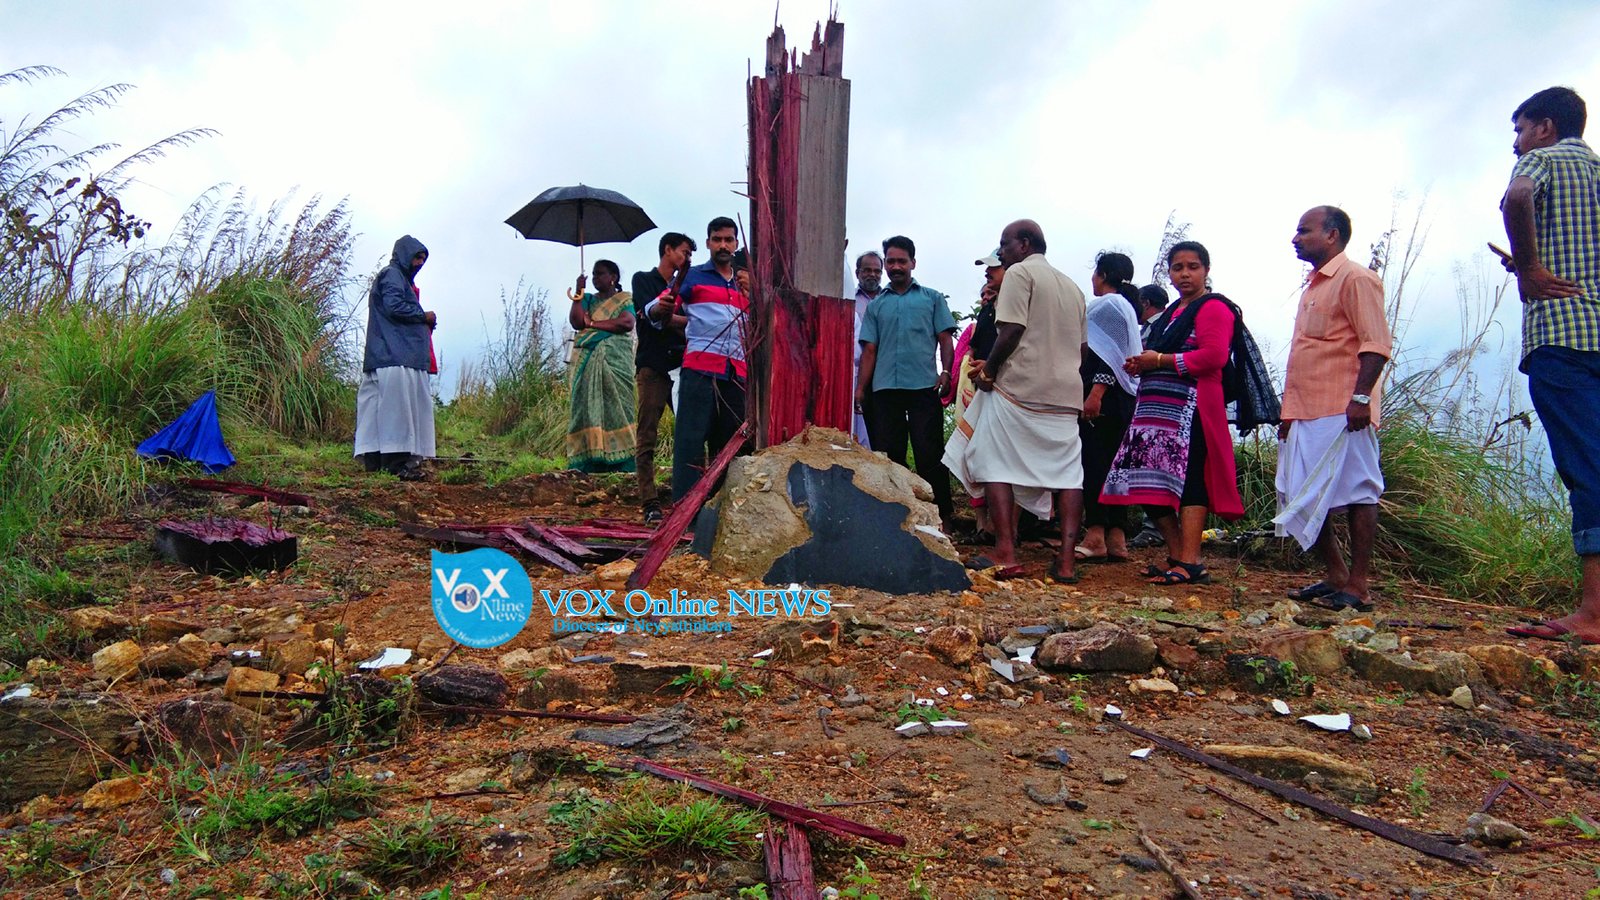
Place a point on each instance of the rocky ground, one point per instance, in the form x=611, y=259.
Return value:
x=1039, y=796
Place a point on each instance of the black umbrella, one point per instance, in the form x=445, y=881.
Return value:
x=580, y=215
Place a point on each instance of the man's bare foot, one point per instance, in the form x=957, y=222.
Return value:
x=1575, y=627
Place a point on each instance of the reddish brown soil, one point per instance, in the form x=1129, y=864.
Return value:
x=959, y=802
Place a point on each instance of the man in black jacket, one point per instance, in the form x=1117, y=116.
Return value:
x=659, y=353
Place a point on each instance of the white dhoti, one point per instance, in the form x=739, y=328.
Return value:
x=1037, y=452
x=1322, y=467
x=394, y=412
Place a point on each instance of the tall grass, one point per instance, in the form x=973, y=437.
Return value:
x=519, y=388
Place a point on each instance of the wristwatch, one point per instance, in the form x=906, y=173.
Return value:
x=1362, y=399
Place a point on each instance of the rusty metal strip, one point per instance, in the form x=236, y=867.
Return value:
x=1416, y=840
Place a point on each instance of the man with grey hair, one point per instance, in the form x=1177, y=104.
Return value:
x=1018, y=441
x=869, y=284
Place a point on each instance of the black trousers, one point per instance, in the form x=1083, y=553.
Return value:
x=895, y=415
x=710, y=410
x=1102, y=438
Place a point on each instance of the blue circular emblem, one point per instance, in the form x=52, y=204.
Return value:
x=482, y=598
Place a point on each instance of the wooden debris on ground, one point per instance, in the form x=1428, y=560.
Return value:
x=282, y=498
x=787, y=853
x=683, y=512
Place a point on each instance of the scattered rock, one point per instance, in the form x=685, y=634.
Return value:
x=34, y=757
x=117, y=660
x=246, y=681
x=1113, y=776
x=165, y=628
x=1485, y=829
x=803, y=641
x=465, y=685
x=189, y=654
x=1312, y=652
x=260, y=623
x=579, y=683
x=1462, y=697
x=1354, y=634
x=1103, y=647
x=208, y=725
x=955, y=645
x=1295, y=764
x=1432, y=672
x=97, y=621
x=525, y=659
x=1175, y=655
x=113, y=793
x=1155, y=686
x=1141, y=863
x=1508, y=669
x=648, y=678
x=1045, y=796
x=670, y=725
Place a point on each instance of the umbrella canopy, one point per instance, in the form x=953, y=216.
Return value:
x=581, y=215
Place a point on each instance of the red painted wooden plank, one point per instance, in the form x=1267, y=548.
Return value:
x=788, y=863
x=684, y=511
x=285, y=498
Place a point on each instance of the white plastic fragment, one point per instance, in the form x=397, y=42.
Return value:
x=941, y=692
x=1142, y=753
x=911, y=729
x=923, y=701
x=762, y=655
x=919, y=630
x=1025, y=654
x=966, y=696
x=18, y=693
x=391, y=656
x=949, y=726
x=1113, y=710
x=1340, y=722
x=1004, y=668
x=638, y=654
x=1280, y=707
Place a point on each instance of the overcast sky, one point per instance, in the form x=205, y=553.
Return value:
x=1096, y=119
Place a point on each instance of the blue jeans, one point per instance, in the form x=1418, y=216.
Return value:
x=1565, y=387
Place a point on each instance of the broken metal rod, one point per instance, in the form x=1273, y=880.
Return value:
x=1168, y=866
x=788, y=812
x=684, y=511
x=1240, y=803
x=1416, y=840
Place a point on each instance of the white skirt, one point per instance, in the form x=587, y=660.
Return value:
x=1036, y=452
x=1323, y=467
x=394, y=412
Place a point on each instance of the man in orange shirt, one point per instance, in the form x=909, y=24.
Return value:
x=1328, y=458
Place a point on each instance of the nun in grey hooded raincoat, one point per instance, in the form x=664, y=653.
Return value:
x=394, y=409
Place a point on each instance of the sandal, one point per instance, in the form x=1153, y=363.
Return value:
x=1183, y=573
x=1548, y=631
x=1153, y=571
x=1312, y=591
x=1064, y=579
x=1341, y=600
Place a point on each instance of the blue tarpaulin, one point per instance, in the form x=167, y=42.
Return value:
x=196, y=435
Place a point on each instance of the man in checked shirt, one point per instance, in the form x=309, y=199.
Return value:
x=1552, y=216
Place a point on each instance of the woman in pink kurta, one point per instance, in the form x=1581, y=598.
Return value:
x=1176, y=458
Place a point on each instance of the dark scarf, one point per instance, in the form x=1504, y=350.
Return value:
x=1169, y=334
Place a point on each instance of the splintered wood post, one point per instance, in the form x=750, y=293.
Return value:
x=788, y=862
x=800, y=339
x=683, y=512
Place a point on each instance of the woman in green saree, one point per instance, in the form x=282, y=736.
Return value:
x=600, y=434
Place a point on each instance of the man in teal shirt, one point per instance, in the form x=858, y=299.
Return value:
x=898, y=335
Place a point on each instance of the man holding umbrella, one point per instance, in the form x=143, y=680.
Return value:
x=711, y=389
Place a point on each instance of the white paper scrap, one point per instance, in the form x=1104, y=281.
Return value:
x=1025, y=654
x=391, y=656
x=762, y=655
x=1113, y=710
x=1143, y=753
x=639, y=654
x=18, y=692
x=941, y=692
x=924, y=701
x=1280, y=707
x=1340, y=722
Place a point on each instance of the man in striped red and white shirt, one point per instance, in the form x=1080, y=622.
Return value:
x=1329, y=456
x=711, y=386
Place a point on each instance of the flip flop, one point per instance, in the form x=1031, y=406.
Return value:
x=1552, y=631
x=1341, y=600
x=1183, y=573
x=981, y=562
x=1064, y=579
x=1084, y=555
x=1312, y=591
x=1154, y=571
